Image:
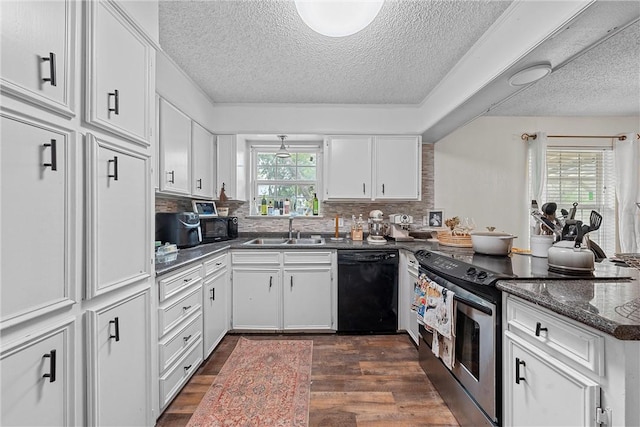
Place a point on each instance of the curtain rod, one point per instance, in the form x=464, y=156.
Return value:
x=526, y=136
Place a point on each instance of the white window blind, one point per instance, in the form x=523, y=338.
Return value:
x=585, y=176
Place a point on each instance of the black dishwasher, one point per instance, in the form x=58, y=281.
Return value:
x=368, y=291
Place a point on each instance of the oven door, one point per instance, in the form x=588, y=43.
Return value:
x=475, y=345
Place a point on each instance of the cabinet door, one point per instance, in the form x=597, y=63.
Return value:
x=214, y=305
x=231, y=167
x=203, y=160
x=118, y=212
x=398, y=162
x=36, y=59
x=348, y=167
x=38, y=221
x=119, y=75
x=412, y=328
x=307, y=298
x=540, y=391
x=118, y=364
x=175, y=150
x=37, y=380
x=256, y=298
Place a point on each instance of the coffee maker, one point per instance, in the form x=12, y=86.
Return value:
x=377, y=228
x=399, y=227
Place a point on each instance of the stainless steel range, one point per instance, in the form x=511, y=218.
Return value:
x=473, y=387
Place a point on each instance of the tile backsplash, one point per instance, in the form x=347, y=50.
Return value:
x=328, y=210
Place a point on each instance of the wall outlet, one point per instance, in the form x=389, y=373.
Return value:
x=341, y=222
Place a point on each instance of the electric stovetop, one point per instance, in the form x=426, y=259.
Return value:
x=525, y=266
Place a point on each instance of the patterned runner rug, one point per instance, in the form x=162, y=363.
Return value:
x=262, y=383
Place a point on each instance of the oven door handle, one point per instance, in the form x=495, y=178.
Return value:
x=474, y=305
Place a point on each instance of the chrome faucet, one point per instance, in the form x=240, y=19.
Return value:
x=290, y=227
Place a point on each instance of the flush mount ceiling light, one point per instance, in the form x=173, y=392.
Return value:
x=282, y=151
x=530, y=74
x=336, y=18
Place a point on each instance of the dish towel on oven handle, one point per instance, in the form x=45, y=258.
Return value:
x=435, y=307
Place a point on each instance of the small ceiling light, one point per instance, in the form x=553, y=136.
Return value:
x=530, y=74
x=335, y=18
x=282, y=152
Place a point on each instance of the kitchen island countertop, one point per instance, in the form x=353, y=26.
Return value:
x=609, y=306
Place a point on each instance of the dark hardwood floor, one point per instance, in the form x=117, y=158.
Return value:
x=357, y=380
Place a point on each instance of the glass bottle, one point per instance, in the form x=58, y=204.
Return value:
x=315, y=204
x=263, y=206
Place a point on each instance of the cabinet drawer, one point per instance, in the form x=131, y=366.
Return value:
x=172, y=314
x=174, y=346
x=307, y=257
x=173, y=284
x=215, y=264
x=172, y=381
x=565, y=340
x=255, y=257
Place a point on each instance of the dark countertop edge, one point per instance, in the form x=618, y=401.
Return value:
x=618, y=331
x=189, y=255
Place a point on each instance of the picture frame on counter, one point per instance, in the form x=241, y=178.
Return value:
x=435, y=218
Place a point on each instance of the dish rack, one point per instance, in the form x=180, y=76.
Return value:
x=632, y=260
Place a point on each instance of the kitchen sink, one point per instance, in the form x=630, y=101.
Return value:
x=267, y=241
x=306, y=241
x=283, y=241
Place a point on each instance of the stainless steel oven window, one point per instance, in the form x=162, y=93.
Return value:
x=478, y=374
x=468, y=344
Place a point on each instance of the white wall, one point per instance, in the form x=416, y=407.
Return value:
x=481, y=168
x=174, y=85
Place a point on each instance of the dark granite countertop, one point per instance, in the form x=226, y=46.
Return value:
x=609, y=306
x=197, y=253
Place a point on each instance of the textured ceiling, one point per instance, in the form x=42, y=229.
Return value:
x=262, y=52
x=603, y=81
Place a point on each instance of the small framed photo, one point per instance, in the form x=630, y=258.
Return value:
x=435, y=218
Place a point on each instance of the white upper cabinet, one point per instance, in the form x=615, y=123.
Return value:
x=348, y=167
x=372, y=167
x=37, y=54
x=120, y=76
x=39, y=217
x=202, y=162
x=397, y=167
x=175, y=150
x=231, y=167
x=118, y=213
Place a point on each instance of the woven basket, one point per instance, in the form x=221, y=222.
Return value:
x=447, y=239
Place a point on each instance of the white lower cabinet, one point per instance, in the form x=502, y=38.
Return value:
x=37, y=378
x=257, y=296
x=407, y=278
x=180, y=330
x=119, y=381
x=556, y=371
x=290, y=290
x=541, y=391
x=215, y=302
x=307, y=298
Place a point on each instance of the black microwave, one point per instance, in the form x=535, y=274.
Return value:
x=218, y=228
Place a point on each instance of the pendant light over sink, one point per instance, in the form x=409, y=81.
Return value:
x=338, y=18
x=282, y=151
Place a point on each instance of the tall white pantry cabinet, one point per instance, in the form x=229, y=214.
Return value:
x=77, y=108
